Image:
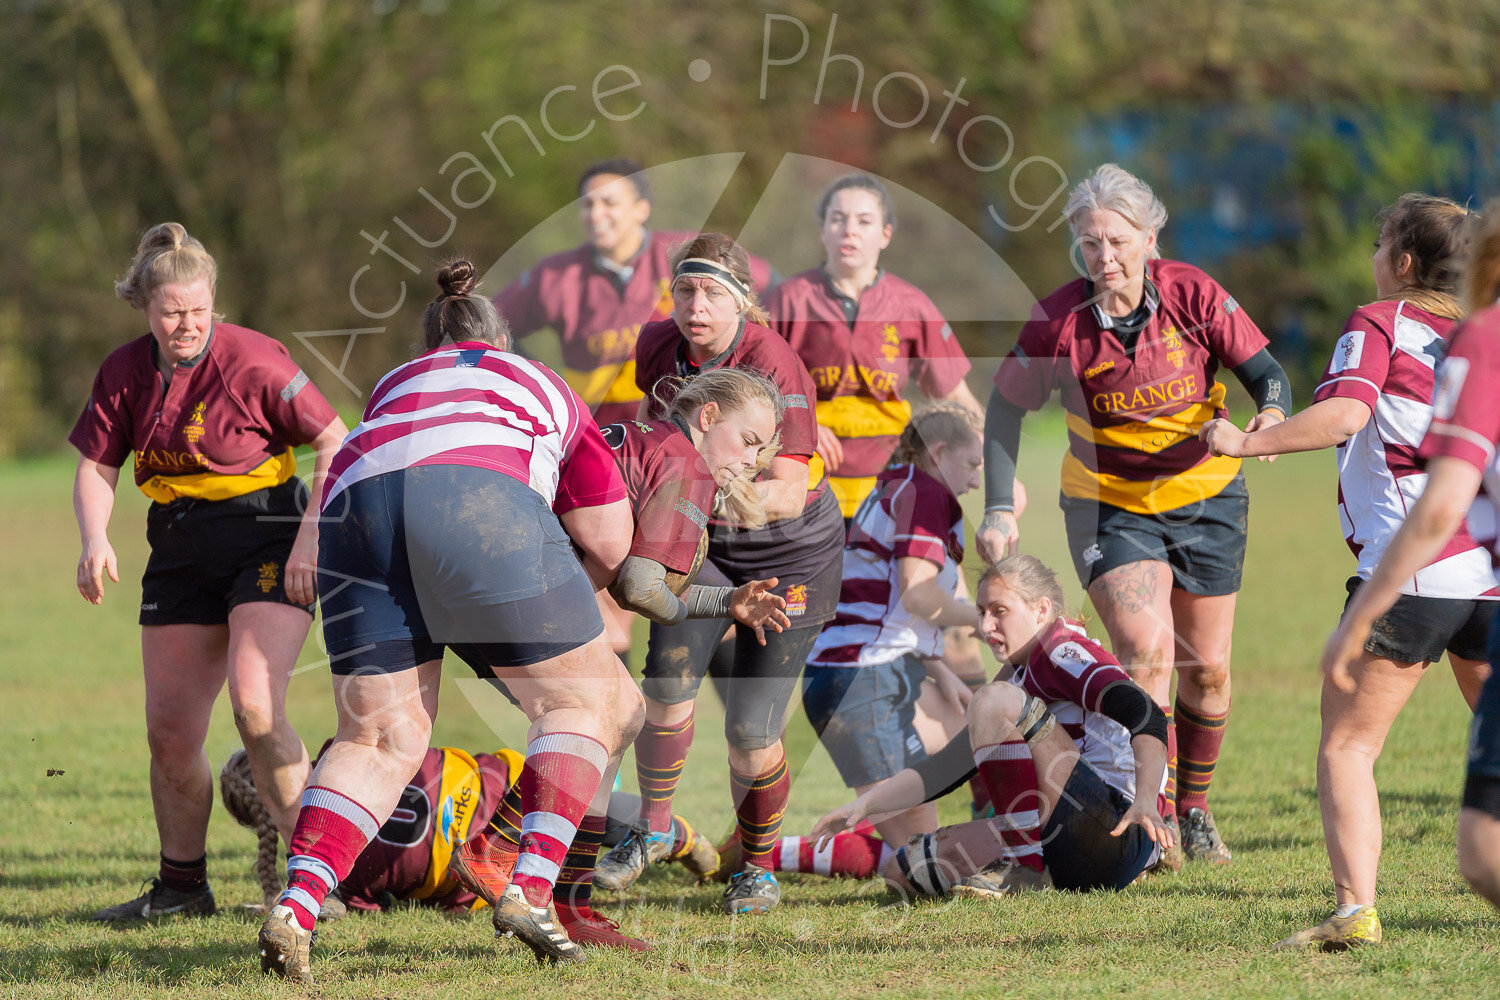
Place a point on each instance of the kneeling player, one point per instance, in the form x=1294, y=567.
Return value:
x=1063, y=744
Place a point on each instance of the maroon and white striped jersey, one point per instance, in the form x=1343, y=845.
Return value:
x=471, y=404
x=1071, y=672
x=1386, y=359
x=908, y=514
x=1466, y=418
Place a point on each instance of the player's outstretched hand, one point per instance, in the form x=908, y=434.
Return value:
x=97, y=559
x=1142, y=813
x=998, y=536
x=753, y=604
x=845, y=817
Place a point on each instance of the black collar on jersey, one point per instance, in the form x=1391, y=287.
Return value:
x=849, y=305
x=1126, y=328
x=677, y=420
x=687, y=367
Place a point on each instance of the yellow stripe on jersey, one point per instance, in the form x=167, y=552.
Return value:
x=606, y=384
x=221, y=486
x=459, y=793
x=861, y=416
x=1149, y=496
x=850, y=491
x=1152, y=435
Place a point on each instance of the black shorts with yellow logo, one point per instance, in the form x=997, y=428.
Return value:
x=209, y=556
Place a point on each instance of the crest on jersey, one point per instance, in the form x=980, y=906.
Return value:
x=1071, y=656
x=1347, y=352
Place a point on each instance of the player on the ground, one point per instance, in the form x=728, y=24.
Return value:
x=1155, y=523
x=451, y=519
x=716, y=323
x=1074, y=753
x=212, y=413
x=1463, y=487
x=1374, y=403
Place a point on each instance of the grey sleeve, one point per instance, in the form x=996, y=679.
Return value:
x=641, y=586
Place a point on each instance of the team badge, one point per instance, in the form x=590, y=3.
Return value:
x=267, y=577
x=796, y=600
x=194, y=429
x=1347, y=352
x=1176, y=357
x=892, y=343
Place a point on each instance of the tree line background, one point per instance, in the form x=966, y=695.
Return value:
x=278, y=132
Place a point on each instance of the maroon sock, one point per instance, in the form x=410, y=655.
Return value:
x=1010, y=774
x=557, y=785
x=760, y=802
x=1199, y=737
x=851, y=854
x=184, y=876
x=575, y=882
x=504, y=830
x=660, y=752
x=1169, y=796
x=332, y=830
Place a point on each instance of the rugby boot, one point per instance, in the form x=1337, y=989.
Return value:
x=594, y=930
x=536, y=927
x=1170, y=858
x=1337, y=933
x=698, y=854
x=729, y=858
x=483, y=868
x=162, y=901
x=333, y=908
x=1200, y=838
x=753, y=890
x=285, y=948
x=628, y=860
x=1003, y=878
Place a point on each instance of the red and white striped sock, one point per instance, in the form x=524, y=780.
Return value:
x=851, y=854
x=1010, y=775
x=559, y=780
x=332, y=830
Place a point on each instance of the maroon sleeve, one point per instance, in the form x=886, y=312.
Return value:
x=589, y=476
x=799, y=425
x=1028, y=374
x=1361, y=360
x=1233, y=335
x=923, y=520
x=942, y=363
x=654, y=349
x=293, y=408
x=102, y=433
x=1466, y=406
x=676, y=495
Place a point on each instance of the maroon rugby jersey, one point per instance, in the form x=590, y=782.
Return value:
x=596, y=320
x=448, y=802
x=1386, y=359
x=223, y=428
x=1466, y=418
x=861, y=370
x=671, y=489
x=1133, y=416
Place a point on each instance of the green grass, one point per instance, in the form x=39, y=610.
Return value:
x=72, y=842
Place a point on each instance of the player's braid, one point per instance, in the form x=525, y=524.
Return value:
x=237, y=788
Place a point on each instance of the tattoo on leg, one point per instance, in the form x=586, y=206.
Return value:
x=1131, y=589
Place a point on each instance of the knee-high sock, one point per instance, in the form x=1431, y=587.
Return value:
x=557, y=784
x=1199, y=737
x=1169, y=809
x=660, y=752
x=1010, y=774
x=504, y=830
x=760, y=802
x=332, y=830
x=851, y=854
x=575, y=883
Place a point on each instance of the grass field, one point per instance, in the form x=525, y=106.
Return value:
x=76, y=830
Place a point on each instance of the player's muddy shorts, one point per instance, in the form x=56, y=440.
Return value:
x=210, y=556
x=448, y=555
x=1421, y=629
x=865, y=716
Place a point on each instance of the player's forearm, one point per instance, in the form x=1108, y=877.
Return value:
x=928, y=601
x=94, y=499
x=1322, y=425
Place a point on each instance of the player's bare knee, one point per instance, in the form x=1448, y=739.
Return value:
x=1210, y=677
x=632, y=712
x=1000, y=700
